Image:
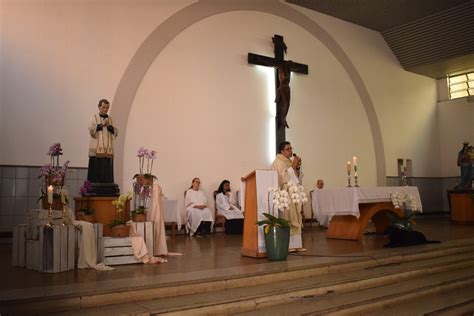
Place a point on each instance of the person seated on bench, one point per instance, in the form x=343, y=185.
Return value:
x=227, y=206
x=198, y=215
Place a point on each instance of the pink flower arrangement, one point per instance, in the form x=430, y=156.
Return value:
x=53, y=171
x=142, y=190
x=148, y=155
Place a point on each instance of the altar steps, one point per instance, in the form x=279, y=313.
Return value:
x=365, y=284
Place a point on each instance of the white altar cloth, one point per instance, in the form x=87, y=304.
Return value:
x=172, y=212
x=345, y=201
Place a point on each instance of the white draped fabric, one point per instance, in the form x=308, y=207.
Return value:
x=156, y=216
x=345, y=201
x=88, y=250
x=323, y=220
x=172, y=212
x=227, y=206
x=194, y=216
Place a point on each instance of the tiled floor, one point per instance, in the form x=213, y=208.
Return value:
x=210, y=257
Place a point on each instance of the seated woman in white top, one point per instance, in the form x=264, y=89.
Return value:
x=198, y=215
x=225, y=203
x=226, y=206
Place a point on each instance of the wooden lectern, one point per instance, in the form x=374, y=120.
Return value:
x=254, y=188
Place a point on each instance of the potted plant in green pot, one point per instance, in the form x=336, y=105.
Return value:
x=118, y=226
x=277, y=237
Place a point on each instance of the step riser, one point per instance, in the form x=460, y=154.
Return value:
x=363, y=309
x=290, y=297
x=74, y=303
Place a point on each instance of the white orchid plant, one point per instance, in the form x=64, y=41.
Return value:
x=399, y=199
x=281, y=198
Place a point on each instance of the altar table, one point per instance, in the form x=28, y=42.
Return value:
x=352, y=208
x=172, y=214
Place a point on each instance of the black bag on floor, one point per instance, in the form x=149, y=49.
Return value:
x=234, y=226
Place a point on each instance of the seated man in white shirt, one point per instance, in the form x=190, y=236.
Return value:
x=227, y=206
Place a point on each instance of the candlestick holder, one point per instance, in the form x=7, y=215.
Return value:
x=63, y=216
x=349, y=179
x=50, y=217
x=404, y=179
x=356, y=176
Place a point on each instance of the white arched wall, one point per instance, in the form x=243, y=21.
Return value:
x=209, y=114
x=191, y=14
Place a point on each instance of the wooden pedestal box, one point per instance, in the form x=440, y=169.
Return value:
x=119, y=250
x=54, y=251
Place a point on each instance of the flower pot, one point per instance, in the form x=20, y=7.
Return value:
x=120, y=231
x=141, y=217
x=81, y=216
x=277, y=241
x=58, y=183
x=141, y=179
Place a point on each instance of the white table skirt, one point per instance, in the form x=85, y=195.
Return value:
x=345, y=201
x=172, y=212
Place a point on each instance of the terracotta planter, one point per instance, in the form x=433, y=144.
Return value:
x=120, y=231
x=49, y=181
x=141, y=179
x=81, y=216
x=139, y=217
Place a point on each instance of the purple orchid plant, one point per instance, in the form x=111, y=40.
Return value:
x=141, y=190
x=53, y=171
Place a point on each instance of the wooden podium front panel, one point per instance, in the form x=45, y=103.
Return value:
x=250, y=234
x=104, y=209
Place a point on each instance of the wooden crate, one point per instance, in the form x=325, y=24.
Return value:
x=98, y=232
x=54, y=251
x=119, y=250
x=38, y=218
x=19, y=246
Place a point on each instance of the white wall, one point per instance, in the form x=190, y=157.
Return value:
x=456, y=126
x=208, y=113
x=60, y=58
x=405, y=102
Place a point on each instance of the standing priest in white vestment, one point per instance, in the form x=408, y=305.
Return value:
x=290, y=169
x=101, y=148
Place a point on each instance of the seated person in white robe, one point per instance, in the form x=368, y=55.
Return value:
x=199, y=218
x=323, y=220
x=227, y=207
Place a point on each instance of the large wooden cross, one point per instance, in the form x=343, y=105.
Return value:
x=282, y=68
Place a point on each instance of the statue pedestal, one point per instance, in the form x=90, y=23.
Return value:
x=462, y=206
x=104, y=189
x=104, y=210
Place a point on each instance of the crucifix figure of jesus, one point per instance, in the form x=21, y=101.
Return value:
x=282, y=82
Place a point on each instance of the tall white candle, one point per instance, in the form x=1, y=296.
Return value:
x=348, y=168
x=354, y=161
x=50, y=194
